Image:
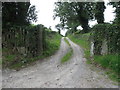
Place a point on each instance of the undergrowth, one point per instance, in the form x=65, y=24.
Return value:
x=110, y=62
x=17, y=61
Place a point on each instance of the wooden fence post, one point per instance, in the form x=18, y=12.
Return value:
x=40, y=39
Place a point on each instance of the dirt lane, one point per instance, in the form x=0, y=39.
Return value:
x=50, y=73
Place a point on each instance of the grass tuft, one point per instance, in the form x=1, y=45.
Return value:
x=110, y=62
x=67, y=56
x=67, y=41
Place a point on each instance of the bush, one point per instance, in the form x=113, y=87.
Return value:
x=108, y=32
x=38, y=43
x=113, y=38
x=111, y=34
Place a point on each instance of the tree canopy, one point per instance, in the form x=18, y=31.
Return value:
x=117, y=11
x=18, y=13
x=74, y=14
x=99, y=12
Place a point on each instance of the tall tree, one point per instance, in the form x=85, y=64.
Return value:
x=117, y=11
x=99, y=12
x=32, y=14
x=15, y=17
x=58, y=26
x=73, y=14
x=17, y=13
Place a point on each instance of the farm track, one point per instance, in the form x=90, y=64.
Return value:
x=50, y=73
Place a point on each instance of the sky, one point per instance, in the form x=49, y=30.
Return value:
x=45, y=14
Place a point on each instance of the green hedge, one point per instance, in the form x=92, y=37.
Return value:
x=113, y=38
x=108, y=32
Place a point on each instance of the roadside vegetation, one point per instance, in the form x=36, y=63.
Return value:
x=53, y=40
x=75, y=14
x=17, y=61
x=108, y=62
x=111, y=64
x=69, y=54
x=83, y=41
x=23, y=42
x=67, y=41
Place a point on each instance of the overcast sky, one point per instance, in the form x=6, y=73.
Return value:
x=45, y=13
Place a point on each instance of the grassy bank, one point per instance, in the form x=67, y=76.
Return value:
x=53, y=44
x=111, y=63
x=69, y=53
x=108, y=62
x=17, y=61
x=82, y=40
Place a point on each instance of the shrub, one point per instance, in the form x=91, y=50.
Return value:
x=108, y=32
x=113, y=38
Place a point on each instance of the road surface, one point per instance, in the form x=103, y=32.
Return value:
x=50, y=73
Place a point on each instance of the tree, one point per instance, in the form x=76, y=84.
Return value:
x=32, y=14
x=73, y=14
x=117, y=11
x=58, y=26
x=99, y=12
x=16, y=16
x=17, y=13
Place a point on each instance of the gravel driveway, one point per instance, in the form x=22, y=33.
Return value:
x=50, y=73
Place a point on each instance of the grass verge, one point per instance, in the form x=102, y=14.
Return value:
x=111, y=63
x=108, y=62
x=82, y=40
